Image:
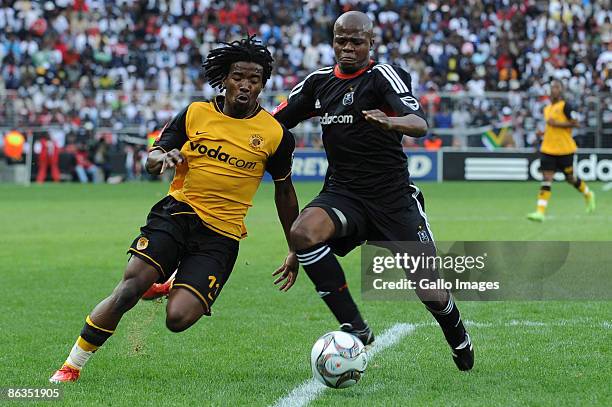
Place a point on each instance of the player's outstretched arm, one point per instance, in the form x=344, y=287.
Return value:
x=158, y=161
x=410, y=125
x=288, y=209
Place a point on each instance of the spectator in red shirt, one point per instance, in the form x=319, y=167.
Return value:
x=48, y=158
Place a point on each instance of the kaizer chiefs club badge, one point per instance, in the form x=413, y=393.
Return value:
x=256, y=141
x=142, y=244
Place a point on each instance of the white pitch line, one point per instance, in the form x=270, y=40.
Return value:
x=311, y=389
x=302, y=395
x=525, y=323
x=508, y=218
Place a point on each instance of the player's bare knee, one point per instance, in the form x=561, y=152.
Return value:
x=175, y=324
x=183, y=310
x=303, y=236
x=434, y=300
x=178, y=321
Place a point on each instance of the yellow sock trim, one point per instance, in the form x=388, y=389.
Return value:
x=86, y=346
x=89, y=322
x=545, y=195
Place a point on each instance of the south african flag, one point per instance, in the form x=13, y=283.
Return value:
x=493, y=140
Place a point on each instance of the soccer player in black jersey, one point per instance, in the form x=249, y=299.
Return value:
x=365, y=108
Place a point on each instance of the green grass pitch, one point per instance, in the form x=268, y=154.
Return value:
x=62, y=249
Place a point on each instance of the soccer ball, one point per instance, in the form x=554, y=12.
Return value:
x=338, y=359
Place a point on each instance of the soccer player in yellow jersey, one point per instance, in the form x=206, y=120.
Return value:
x=220, y=150
x=557, y=152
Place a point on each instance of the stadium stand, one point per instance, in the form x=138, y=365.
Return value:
x=91, y=69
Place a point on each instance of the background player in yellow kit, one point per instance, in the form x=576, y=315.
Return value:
x=557, y=152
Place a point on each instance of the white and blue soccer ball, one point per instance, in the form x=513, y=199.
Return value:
x=338, y=359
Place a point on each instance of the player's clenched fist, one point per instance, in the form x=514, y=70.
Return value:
x=158, y=161
x=172, y=159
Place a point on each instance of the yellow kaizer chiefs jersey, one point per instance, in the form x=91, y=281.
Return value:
x=225, y=161
x=557, y=140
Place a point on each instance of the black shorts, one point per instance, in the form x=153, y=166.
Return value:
x=358, y=220
x=175, y=236
x=563, y=163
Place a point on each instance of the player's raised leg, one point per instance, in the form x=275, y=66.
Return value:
x=309, y=236
x=543, y=197
x=104, y=318
x=582, y=187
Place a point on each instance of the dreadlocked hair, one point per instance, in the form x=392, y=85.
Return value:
x=219, y=60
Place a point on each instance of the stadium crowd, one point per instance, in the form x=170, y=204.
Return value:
x=87, y=65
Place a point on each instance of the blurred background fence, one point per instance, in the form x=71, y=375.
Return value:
x=104, y=135
x=460, y=120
